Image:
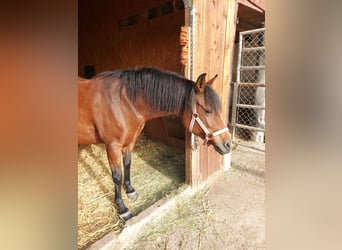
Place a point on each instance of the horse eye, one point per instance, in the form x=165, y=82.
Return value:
x=208, y=111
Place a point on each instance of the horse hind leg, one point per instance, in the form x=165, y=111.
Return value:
x=114, y=157
x=130, y=191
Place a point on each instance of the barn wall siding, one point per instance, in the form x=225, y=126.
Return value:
x=108, y=45
x=97, y=42
x=153, y=42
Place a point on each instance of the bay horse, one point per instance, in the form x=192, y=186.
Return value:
x=113, y=107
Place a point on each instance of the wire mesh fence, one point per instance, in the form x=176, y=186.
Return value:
x=248, y=108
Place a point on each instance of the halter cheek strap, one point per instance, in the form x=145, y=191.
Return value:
x=208, y=135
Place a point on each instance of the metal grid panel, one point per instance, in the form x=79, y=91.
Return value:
x=248, y=110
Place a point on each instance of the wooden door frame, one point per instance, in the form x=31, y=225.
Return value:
x=211, y=47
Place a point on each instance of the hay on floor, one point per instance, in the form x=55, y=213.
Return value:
x=157, y=170
x=190, y=215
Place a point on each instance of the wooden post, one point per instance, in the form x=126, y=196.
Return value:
x=193, y=175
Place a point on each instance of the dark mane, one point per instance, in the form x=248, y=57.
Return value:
x=163, y=90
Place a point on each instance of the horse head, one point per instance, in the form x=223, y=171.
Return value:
x=204, y=119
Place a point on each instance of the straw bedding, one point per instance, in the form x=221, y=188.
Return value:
x=157, y=170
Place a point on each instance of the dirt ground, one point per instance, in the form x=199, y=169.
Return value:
x=227, y=212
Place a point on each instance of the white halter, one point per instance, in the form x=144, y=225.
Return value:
x=208, y=135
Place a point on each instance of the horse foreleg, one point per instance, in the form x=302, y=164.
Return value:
x=131, y=193
x=114, y=158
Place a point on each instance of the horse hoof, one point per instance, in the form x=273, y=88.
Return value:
x=133, y=196
x=126, y=216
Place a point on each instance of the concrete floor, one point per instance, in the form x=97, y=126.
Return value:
x=235, y=198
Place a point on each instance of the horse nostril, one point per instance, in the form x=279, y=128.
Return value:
x=227, y=145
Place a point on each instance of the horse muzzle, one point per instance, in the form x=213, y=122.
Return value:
x=222, y=149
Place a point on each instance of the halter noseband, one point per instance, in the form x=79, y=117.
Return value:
x=208, y=135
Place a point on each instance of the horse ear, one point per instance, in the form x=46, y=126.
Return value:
x=210, y=82
x=200, y=84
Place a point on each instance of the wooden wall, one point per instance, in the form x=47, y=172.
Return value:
x=109, y=45
x=152, y=42
x=214, y=48
x=97, y=27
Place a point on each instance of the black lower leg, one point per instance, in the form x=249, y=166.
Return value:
x=127, y=173
x=117, y=178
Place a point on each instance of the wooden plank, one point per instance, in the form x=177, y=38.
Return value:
x=194, y=173
x=258, y=5
x=133, y=7
x=230, y=19
x=217, y=26
x=203, y=64
x=188, y=161
x=193, y=161
x=230, y=29
x=204, y=156
x=192, y=158
x=204, y=54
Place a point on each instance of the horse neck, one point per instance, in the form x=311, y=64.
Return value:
x=150, y=113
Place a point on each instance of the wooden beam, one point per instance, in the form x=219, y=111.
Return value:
x=231, y=24
x=192, y=157
x=258, y=5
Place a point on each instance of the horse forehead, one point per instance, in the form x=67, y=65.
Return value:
x=201, y=98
